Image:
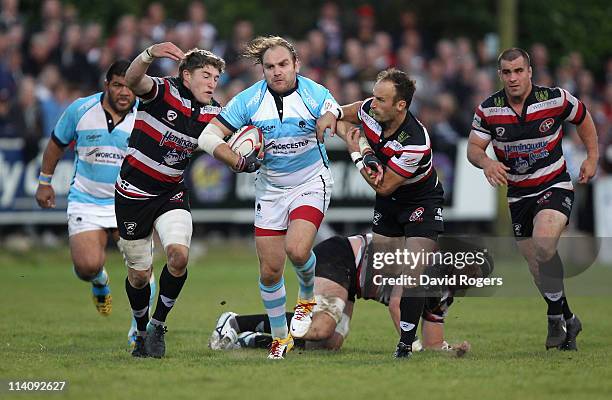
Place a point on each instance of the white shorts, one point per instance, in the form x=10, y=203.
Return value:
x=82, y=218
x=275, y=207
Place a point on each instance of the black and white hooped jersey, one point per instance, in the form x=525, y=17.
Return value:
x=168, y=123
x=530, y=143
x=407, y=152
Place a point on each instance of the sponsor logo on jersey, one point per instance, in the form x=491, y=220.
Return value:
x=288, y=146
x=417, y=215
x=267, y=128
x=171, y=115
x=93, y=137
x=499, y=101
x=173, y=157
x=567, y=203
x=521, y=165
x=541, y=95
x=512, y=149
x=170, y=137
x=546, y=125
x=130, y=227
x=403, y=135
x=177, y=197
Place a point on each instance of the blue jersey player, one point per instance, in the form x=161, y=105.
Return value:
x=99, y=127
x=293, y=185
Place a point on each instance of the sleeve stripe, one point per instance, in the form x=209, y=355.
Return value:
x=226, y=124
x=481, y=134
x=580, y=115
x=151, y=94
x=57, y=141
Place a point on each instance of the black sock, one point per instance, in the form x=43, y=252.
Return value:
x=551, y=284
x=139, y=302
x=169, y=289
x=411, y=309
x=257, y=322
x=567, y=313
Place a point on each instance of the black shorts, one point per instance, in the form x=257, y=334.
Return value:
x=336, y=262
x=524, y=211
x=436, y=308
x=393, y=219
x=135, y=218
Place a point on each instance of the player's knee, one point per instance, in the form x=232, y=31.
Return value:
x=544, y=250
x=297, y=253
x=87, y=271
x=178, y=256
x=322, y=327
x=138, y=278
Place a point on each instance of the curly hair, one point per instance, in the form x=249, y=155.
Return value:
x=256, y=48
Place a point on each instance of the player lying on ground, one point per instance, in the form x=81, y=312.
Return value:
x=341, y=276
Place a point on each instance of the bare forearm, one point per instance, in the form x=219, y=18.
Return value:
x=350, y=111
x=225, y=154
x=51, y=156
x=136, y=77
x=477, y=156
x=588, y=134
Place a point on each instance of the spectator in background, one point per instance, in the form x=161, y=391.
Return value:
x=329, y=24
x=205, y=32
x=237, y=67
x=27, y=114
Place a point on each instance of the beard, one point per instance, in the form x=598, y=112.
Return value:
x=118, y=109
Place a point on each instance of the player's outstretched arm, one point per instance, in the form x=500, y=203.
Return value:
x=45, y=195
x=136, y=77
x=588, y=134
x=350, y=111
x=495, y=171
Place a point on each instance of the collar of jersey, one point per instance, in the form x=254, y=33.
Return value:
x=286, y=93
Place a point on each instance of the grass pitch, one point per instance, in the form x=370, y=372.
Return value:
x=49, y=330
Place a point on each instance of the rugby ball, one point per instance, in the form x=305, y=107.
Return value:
x=245, y=139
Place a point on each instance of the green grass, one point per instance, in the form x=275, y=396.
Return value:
x=49, y=330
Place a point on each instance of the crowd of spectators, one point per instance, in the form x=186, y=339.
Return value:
x=45, y=67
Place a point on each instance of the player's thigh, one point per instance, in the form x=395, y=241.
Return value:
x=88, y=249
x=271, y=254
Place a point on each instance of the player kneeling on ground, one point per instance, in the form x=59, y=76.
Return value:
x=340, y=277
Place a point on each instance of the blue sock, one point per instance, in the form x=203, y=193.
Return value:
x=306, y=274
x=274, y=299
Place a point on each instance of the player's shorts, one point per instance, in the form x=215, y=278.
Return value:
x=90, y=217
x=336, y=262
x=135, y=218
x=436, y=308
x=394, y=219
x=275, y=207
x=524, y=210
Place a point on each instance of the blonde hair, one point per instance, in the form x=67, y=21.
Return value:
x=256, y=48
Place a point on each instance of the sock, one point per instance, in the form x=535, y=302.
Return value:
x=411, y=309
x=139, y=302
x=567, y=313
x=551, y=284
x=101, y=279
x=256, y=323
x=274, y=299
x=306, y=274
x=169, y=288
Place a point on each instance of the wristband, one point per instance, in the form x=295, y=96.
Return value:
x=359, y=164
x=44, y=179
x=364, y=146
x=356, y=156
x=146, y=56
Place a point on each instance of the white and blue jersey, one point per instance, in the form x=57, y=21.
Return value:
x=99, y=147
x=293, y=155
